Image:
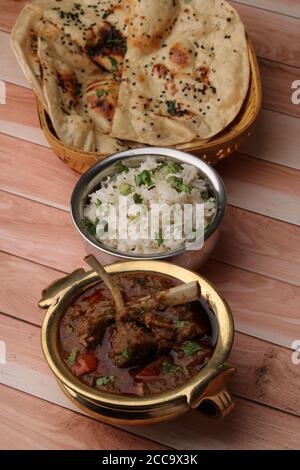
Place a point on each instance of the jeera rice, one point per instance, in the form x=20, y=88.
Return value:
x=151, y=183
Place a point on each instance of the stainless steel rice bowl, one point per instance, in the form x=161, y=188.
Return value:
x=91, y=180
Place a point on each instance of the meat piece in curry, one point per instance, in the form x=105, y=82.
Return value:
x=149, y=350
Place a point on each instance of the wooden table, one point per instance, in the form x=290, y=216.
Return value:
x=256, y=266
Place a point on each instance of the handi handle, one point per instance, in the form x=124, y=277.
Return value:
x=212, y=398
x=217, y=406
x=51, y=294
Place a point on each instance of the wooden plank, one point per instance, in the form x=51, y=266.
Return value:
x=263, y=26
x=251, y=297
x=252, y=184
x=19, y=117
x=262, y=187
x=265, y=373
x=260, y=244
x=249, y=427
x=9, y=12
x=43, y=165
x=20, y=107
x=21, y=131
x=277, y=79
x=10, y=70
x=276, y=139
x=46, y=235
x=29, y=279
x=28, y=423
x=27, y=371
x=285, y=7
x=39, y=233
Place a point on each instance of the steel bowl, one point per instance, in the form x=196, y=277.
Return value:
x=90, y=181
x=205, y=392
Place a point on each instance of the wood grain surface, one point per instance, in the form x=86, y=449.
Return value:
x=256, y=265
x=27, y=422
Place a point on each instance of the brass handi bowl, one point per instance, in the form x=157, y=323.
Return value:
x=206, y=391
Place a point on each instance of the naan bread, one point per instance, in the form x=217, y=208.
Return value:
x=186, y=71
x=79, y=95
x=99, y=28
x=25, y=44
x=114, y=74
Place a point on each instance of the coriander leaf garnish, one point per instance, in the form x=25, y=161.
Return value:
x=181, y=324
x=179, y=185
x=160, y=238
x=144, y=178
x=171, y=106
x=101, y=93
x=91, y=226
x=72, y=357
x=125, y=189
x=125, y=354
x=174, y=167
x=168, y=367
x=114, y=64
x=104, y=380
x=120, y=167
x=159, y=167
x=98, y=203
x=190, y=347
x=175, y=110
x=137, y=199
x=140, y=281
x=135, y=218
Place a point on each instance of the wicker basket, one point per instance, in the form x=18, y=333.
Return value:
x=218, y=148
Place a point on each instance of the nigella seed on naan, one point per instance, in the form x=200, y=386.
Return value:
x=157, y=72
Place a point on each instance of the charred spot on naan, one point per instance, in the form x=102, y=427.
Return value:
x=180, y=56
x=101, y=99
x=69, y=85
x=103, y=105
x=107, y=47
x=162, y=72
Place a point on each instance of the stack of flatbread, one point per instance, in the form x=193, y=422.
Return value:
x=121, y=73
